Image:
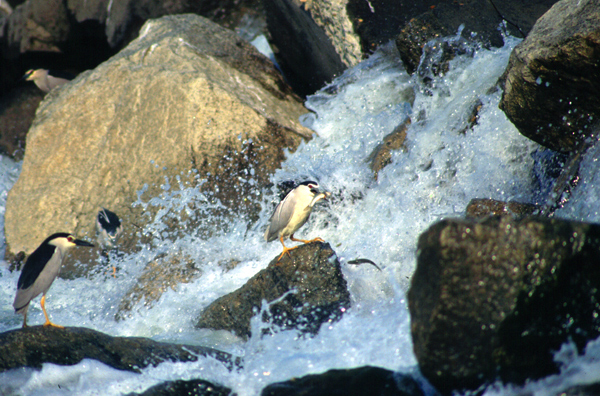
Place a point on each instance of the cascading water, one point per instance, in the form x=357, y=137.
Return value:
x=443, y=165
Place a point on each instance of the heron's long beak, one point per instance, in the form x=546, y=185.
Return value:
x=26, y=75
x=80, y=242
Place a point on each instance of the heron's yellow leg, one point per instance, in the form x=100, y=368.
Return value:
x=285, y=249
x=48, y=323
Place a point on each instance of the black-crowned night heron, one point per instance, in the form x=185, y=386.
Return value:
x=109, y=228
x=47, y=80
x=40, y=270
x=293, y=212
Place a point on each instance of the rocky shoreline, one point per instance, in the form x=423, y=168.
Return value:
x=494, y=295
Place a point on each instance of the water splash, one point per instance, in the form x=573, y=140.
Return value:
x=447, y=160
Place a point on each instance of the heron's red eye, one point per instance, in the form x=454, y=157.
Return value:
x=70, y=238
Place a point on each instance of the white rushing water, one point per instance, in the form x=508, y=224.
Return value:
x=441, y=169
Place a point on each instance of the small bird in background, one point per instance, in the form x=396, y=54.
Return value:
x=47, y=80
x=293, y=212
x=40, y=270
x=109, y=228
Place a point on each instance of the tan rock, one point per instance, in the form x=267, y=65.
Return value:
x=381, y=156
x=332, y=16
x=480, y=208
x=187, y=101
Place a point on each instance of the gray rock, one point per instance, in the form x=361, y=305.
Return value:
x=15, y=119
x=552, y=79
x=36, y=25
x=480, y=19
x=367, y=380
x=582, y=390
x=34, y=346
x=496, y=299
x=315, y=40
x=302, y=49
x=320, y=294
x=186, y=101
x=163, y=273
x=195, y=387
x=334, y=18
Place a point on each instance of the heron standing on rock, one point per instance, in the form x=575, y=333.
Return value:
x=40, y=270
x=293, y=212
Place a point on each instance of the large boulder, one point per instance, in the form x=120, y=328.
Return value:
x=479, y=21
x=196, y=387
x=34, y=346
x=496, y=299
x=303, y=51
x=188, y=104
x=309, y=288
x=360, y=381
x=552, y=79
x=315, y=40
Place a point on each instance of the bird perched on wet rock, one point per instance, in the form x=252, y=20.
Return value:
x=293, y=212
x=40, y=270
x=109, y=228
x=47, y=80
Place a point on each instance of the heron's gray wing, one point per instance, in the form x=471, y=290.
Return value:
x=23, y=298
x=281, y=216
x=34, y=265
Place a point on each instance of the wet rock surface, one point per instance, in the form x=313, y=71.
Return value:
x=316, y=40
x=552, y=77
x=360, y=381
x=309, y=288
x=34, y=346
x=481, y=208
x=480, y=20
x=17, y=111
x=496, y=299
x=99, y=141
x=163, y=273
x=195, y=387
x=381, y=156
x=303, y=51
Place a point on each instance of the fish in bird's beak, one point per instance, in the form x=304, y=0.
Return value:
x=80, y=242
x=321, y=195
